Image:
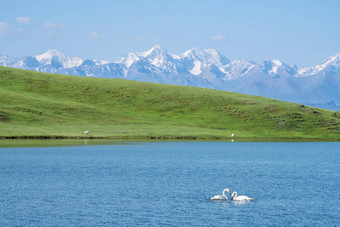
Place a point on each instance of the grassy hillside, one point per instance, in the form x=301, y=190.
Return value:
x=40, y=104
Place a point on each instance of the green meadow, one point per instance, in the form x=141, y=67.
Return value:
x=34, y=104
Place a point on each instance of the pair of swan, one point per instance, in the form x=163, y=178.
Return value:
x=234, y=196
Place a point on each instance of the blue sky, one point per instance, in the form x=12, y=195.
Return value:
x=304, y=32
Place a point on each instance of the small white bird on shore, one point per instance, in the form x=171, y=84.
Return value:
x=86, y=132
x=233, y=135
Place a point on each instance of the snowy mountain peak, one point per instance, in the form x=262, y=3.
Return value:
x=155, y=50
x=129, y=59
x=48, y=55
x=335, y=57
x=330, y=62
x=276, y=62
x=58, y=59
x=272, y=62
x=160, y=57
x=193, y=52
x=156, y=56
x=278, y=67
x=207, y=56
x=275, y=65
x=238, y=68
x=217, y=55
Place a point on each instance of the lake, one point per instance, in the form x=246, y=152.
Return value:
x=170, y=184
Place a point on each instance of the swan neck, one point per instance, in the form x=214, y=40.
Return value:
x=223, y=193
x=234, y=195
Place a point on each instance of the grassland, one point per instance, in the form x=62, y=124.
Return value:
x=36, y=104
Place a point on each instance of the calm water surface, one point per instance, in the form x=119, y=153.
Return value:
x=170, y=184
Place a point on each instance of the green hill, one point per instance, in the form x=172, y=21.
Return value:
x=40, y=104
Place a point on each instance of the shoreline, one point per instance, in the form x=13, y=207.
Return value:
x=165, y=138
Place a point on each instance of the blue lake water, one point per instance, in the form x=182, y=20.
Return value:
x=170, y=184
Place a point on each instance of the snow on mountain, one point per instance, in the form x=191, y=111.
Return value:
x=207, y=56
x=203, y=68
x=11, y=62
x=331, y=64
x=129, y=60
x=160, y=58
x=196, y=60
x=276, y=67
x=54, y=57
x=239, y=68
x=155, y=59
x=197, y=69
x=276, y=64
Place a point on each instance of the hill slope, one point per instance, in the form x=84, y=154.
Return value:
x=41, y=104
x=315, y=85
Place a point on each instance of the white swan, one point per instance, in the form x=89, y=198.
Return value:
x=223, y=196
x=234, y=197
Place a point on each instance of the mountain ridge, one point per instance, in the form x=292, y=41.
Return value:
x=319, y=84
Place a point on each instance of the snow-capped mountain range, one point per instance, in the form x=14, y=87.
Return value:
x=316, y=85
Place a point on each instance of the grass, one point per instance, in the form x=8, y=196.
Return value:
x=34, y=104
